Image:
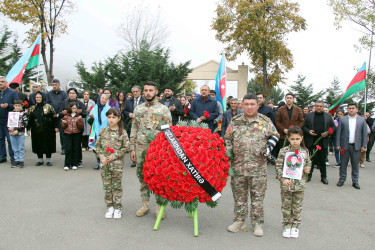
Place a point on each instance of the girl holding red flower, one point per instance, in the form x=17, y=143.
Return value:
x=111, y=146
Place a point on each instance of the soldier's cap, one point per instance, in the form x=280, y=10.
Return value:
x=14, y=85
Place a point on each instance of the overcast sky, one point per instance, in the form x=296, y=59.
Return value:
x=320, y=52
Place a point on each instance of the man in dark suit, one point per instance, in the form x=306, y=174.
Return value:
x=317, y=124
x=264, y=109
x=370, y=143
x=173, y=104
x=130, y=104
x=351, y=137
x=287, y=116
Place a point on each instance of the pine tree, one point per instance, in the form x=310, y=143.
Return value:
x=304, y=94
x=334, y=92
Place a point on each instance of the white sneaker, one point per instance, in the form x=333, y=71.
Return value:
x=294, y=233
x=109, y=213
x=117, y=214
x=66, y=168
x=74, y=167
x=362, y=165
x=327, y=163
x=286, y=233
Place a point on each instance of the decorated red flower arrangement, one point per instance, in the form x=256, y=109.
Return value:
x=168, y=178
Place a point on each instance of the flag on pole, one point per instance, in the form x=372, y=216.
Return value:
x=29, y=60
x=221, y=86
x=357, y=84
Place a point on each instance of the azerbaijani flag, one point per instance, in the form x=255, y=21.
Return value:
x=221, y=86
x=29, y=60
x=357, y=84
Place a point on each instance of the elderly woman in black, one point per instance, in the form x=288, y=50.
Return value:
x=43, y=125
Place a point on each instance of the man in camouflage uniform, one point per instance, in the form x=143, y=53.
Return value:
x=111, y=167
x=292, y=195
x=146, y=121
x=251, y=137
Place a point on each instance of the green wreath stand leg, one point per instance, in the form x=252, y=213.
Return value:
x=191, y=214
x=196, y=223
x=160, y=216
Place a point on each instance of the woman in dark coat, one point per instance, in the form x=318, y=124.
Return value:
x=43, y=125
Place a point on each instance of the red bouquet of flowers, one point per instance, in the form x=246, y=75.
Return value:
x=167, y=177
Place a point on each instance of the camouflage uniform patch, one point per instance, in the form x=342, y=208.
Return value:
x=292, y=198
x=248, y=139
x=147, y=119
x=112, y=172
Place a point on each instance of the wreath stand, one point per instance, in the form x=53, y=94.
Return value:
x=191, y=215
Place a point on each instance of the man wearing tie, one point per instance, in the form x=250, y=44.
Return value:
x=130, y=105
x=351, y=139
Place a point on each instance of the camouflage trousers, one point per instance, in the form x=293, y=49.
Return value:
x=112, y=178
x=241, y=187
x=291, y=207
x=145, y=191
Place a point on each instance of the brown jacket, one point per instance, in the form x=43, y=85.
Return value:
x=282, y=119
x=73, y=125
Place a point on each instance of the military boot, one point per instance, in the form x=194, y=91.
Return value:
x=158, y=210
x=236, y=226
x=258, y=231
x=144, y=209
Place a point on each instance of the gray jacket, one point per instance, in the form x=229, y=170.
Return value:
x=227, y=117
x=342, y=133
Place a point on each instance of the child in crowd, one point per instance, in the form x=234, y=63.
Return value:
x=111, y=146
x=17, y=134
x=72, y=123
x=292, y=190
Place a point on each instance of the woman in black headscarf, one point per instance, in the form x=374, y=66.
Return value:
x=43, y=125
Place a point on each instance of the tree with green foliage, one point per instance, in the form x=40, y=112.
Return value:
x=259, y=28
x=304, y=94
x=275, y=94
x=10, y=53
x=122, y=71
x=190, y=87
x=334, y=92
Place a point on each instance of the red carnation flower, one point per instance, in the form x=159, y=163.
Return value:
x=296, y=152
x=25, y=104
x=318, y=147
x=342, y=151
x=107, y=149
x=330, y=130
x=291, y=126
x=111, y=150
x=206, y=114
x=165, y=174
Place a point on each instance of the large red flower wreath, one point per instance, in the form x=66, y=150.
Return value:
x=167, y=177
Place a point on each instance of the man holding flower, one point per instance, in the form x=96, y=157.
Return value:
x=318, y=126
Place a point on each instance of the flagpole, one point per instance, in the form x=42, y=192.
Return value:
x=368, y=71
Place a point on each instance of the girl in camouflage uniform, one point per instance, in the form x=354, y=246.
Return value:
x=111, y=146
x=292, y=190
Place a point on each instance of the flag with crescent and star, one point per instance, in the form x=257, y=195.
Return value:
x=221, y=86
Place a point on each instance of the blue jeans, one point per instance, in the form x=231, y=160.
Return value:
x=18, y=146
x=4, y=133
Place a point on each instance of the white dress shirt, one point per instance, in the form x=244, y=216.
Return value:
x=352, y=125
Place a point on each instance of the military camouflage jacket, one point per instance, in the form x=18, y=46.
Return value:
x=146, y=120
x=297, y=185
x=248, y=139
x=111, y=138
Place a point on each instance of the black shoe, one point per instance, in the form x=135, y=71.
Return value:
x=356, y=186
x=3, y=160
x=80, y=164
x=20, y=164
x=96, y=168
x=39, y=163
x=62, y=151
x=309, y=178
x=324, y=181
x=368, y=160
x=133, y=164
x=13, y=164
x=340, y=183
x=49, y=164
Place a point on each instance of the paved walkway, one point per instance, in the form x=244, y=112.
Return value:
x=47, y=208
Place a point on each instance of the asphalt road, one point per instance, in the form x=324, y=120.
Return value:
x=48, y=208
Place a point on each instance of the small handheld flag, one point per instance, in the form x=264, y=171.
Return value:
x=29, y=60
x=221, y=86
x=357, y=84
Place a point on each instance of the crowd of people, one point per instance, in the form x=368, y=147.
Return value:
x=253, y=128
